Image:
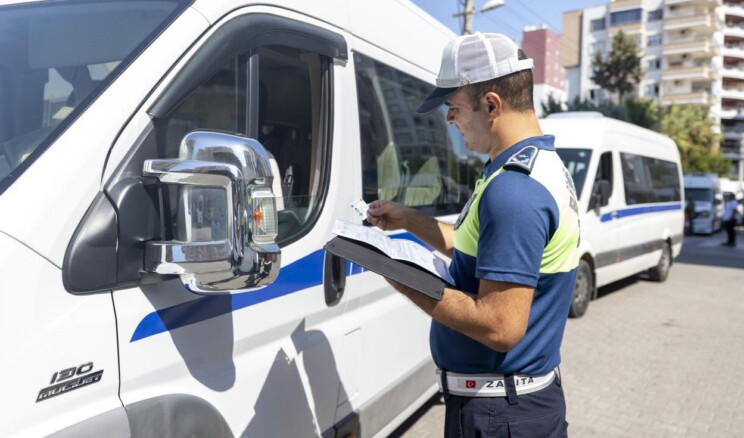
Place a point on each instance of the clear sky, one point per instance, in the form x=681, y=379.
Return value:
x=509, y=19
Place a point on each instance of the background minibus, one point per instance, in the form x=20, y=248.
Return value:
x=629, y=184
x=704, y=191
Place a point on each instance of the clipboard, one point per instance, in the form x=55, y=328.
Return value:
x=376, y=261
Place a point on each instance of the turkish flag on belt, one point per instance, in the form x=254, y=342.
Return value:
x=470, y=383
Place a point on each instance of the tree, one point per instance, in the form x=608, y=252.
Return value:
x=620, y=70
x=691, y=128
x=642, y=113
x=552, y=105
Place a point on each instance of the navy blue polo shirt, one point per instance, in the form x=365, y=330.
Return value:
x=521, y=227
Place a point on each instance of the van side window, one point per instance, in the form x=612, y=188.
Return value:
x=407, y=157
x=290, y=114
x=214, y=106
x=649, y=180
x=604, y=172
x=576, y=162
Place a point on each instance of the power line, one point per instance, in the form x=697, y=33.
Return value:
x=520, y=16
x=517, y=32
x=533, y=12
x=529, y=9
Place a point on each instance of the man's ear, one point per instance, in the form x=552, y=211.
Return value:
x=493, y=104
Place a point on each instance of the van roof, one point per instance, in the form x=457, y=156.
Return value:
x=592, y=130
x=398, y=27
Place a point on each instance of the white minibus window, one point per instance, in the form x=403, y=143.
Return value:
x=576, y=162
x=291, y=84
x=649, y=180
x=407, y=157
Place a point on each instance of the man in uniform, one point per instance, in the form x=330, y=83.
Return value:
x=496, y=335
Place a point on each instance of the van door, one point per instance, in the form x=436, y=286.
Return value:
x=411, y=159
x=260, y=363
x=599, y=224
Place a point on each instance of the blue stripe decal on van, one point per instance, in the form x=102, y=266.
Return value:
x=633, y=211
x=304, y=273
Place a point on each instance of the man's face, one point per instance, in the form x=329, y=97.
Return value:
x=473, y=125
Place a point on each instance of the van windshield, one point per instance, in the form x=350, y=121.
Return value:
x=699, y=195
x=56, y=58
x=577, y=162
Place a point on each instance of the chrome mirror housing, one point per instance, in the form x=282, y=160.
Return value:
x=226, y=222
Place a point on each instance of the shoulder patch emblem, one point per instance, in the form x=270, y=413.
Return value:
x=465, y=210
x=523, y=160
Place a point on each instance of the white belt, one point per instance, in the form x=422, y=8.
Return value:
x=493, y=385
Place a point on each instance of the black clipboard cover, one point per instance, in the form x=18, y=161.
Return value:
x=376, y=261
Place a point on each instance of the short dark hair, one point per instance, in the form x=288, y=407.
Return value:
x=515, y=89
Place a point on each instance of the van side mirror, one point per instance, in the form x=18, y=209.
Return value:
x=600, y=195
x=226, y=225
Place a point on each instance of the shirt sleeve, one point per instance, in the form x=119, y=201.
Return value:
x=517, y=218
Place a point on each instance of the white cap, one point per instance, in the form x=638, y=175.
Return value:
x=470, y=59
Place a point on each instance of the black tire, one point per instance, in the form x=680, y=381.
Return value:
x=583, y=290
x=661, y=270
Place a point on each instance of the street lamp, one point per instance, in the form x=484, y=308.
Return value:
x=492, y=4
x=468, y=12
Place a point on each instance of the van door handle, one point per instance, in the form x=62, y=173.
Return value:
x=334, y=278
x=614, y=214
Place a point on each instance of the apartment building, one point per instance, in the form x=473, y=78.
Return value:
x=544, y=47
x=692, y=52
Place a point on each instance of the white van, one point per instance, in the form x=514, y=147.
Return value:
x=629, y=184
x=704, y=190
x=130, y=201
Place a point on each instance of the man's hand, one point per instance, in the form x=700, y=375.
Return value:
x=387, y=215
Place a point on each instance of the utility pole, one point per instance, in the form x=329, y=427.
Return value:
x=467, y=13
x=467, y=18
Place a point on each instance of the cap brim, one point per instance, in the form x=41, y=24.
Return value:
x=435, y=99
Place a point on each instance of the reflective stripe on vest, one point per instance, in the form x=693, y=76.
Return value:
x=561, y=252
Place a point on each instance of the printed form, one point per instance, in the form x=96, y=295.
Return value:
x=399, y=249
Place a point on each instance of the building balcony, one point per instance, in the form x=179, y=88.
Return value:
x=732, y=113
x=687, y=97
x=697, y=48
x=733, y=73
x=687, y=72
x=732, y=93
x=617, y=5
x=732, y=148
x=702, y=21
x=628, y=29
x=712, y=3
x=733, y=51
x=732, y=10
x=733, y=134
x=733, y=30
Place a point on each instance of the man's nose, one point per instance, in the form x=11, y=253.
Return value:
x=450, y=116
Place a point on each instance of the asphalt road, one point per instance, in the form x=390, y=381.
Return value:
x=652, y=359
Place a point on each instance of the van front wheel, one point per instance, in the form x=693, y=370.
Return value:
x=583, y=289
x=661, y=270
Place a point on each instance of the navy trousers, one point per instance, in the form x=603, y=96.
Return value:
x=541, y=414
